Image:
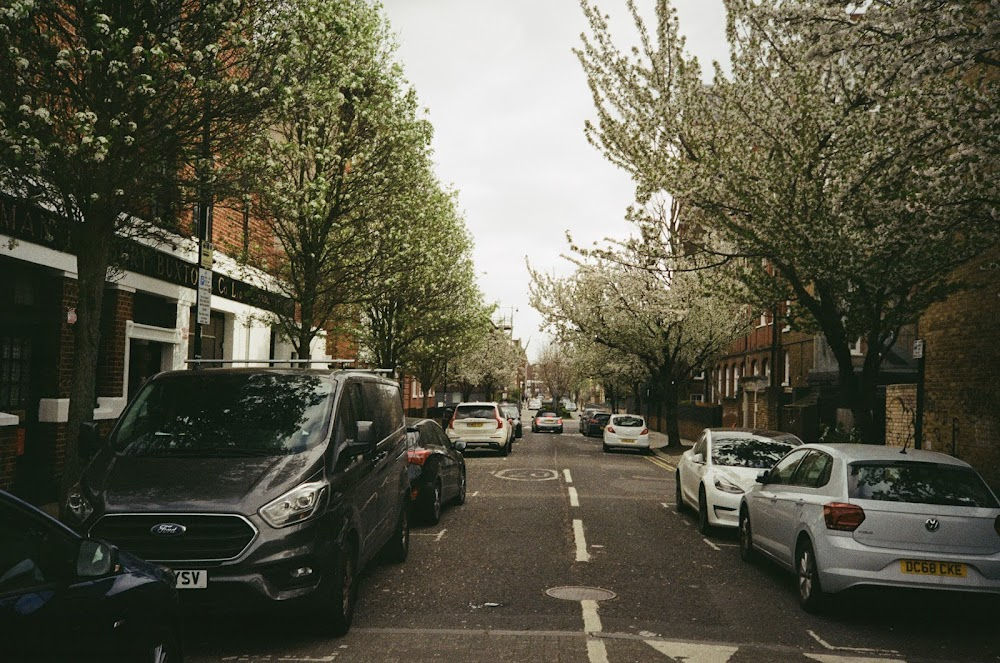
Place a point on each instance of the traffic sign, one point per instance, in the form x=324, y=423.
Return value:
x=918, y=349
x=204, y=296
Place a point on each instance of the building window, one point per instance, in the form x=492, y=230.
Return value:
x=767, y=370
x=719, y=393
x=788, y=369
x=788, y=315
x=696, y=398
x=763, y=320
x=700, y=375
x=725, y=384
x=753, y=367
x=856, y=348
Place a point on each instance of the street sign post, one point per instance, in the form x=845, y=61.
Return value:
x=204, y=296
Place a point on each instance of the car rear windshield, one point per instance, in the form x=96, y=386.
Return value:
x=601, y=417
x=226, y=414
x=748, y=452
x=546, y=413
x=628, y=421
x=919, y=483
x=475, y=412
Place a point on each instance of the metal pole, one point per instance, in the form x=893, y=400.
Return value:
x=204, y=199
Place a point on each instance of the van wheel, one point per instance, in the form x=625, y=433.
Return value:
x=432, y=508
x=398, y=547
x=337, y=605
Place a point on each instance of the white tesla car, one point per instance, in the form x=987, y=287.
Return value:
x=713, y=475
x=843, y=515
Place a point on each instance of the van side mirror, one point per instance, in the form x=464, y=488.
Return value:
x=366, y=432
x=89, y=440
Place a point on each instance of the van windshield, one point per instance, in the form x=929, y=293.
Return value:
x=210, y=415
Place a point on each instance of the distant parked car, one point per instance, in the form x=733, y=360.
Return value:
x=66, y=597
x=844, y=515
x=626, y=431
x=534, y=403
x=592, y=422
x=569, y=405
x=482, y=425
x=514, y=415
x=437, y=468
x=547, y=420
x=712, y=476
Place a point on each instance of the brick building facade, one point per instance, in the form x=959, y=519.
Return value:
x=147, y=325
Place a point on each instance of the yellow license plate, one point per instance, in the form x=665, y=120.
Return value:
x=925, y=568
x=626, y=439
x=475, y=425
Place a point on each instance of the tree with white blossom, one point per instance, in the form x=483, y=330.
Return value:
x=668, y=320
x=845, y=164
x=102, y=107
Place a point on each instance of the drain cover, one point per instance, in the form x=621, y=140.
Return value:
x=581, y=593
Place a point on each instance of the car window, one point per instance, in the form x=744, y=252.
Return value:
x=748, y=452
x=814, y=470
x=785, y=468
x=626, y=420
x=383, y=408
x=546, y=413
x=920, y=483
x=348, y=414
x=32, y=553
x=475, y=412
x=226, y=414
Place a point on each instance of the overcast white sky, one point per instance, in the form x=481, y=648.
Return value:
x=508, y=101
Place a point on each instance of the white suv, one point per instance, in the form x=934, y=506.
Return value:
x=481, y=425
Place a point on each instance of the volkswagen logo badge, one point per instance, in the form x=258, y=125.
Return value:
x=932, y=524
x=167, y=529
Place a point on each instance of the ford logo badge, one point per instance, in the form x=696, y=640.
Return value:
x=932, y=524
x=168, y=529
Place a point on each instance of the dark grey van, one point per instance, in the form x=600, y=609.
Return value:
x=278, y=484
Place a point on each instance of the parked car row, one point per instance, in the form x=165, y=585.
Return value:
x=840, y=516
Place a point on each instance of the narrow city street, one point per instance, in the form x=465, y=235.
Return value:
x=565, y=553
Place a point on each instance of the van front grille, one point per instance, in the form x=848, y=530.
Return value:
x=177, y=537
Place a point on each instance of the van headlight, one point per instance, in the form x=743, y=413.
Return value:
x=77, y=504
x=298, y=504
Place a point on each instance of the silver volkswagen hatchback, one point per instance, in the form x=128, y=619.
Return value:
x=845, y=515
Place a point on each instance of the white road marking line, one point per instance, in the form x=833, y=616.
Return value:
x=568, y=476
x=591, y=620
x=437, y=535
x=574, y=499
x=475, y=494
x=666, y=505
x=836, y=658
x=714, y=547
x=689, y=651
x=827, y=645
x=581, y=543
x=596, y=651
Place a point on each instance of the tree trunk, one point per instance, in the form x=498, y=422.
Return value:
x=858, y=392
x=673, y=430
x=93, y=253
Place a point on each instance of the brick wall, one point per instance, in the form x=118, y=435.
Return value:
x=962, y=372
x=228, y=236
x=900, y=408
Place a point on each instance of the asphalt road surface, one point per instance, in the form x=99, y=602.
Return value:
x=633, y=581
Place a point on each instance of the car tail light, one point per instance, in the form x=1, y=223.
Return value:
x=499, y=422
x=610, y=429
x=560, y=421
x=418, y=456
x=843, y=517
x=645, y=431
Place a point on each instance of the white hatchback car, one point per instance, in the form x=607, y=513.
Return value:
x=626, y=431
x=481, y=425
x=845, y=515
x=712, y=476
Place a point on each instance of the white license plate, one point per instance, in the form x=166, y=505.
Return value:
x=626, y=439
x=191, y=579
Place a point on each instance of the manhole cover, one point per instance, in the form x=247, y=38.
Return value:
x=581, y=593
x=527, y=475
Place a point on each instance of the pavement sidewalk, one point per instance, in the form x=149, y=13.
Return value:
x=658, y=443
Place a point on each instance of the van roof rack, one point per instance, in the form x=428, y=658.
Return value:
x=305, y=363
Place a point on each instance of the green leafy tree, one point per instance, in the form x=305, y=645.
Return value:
x=103, y=106
x=337, y=162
